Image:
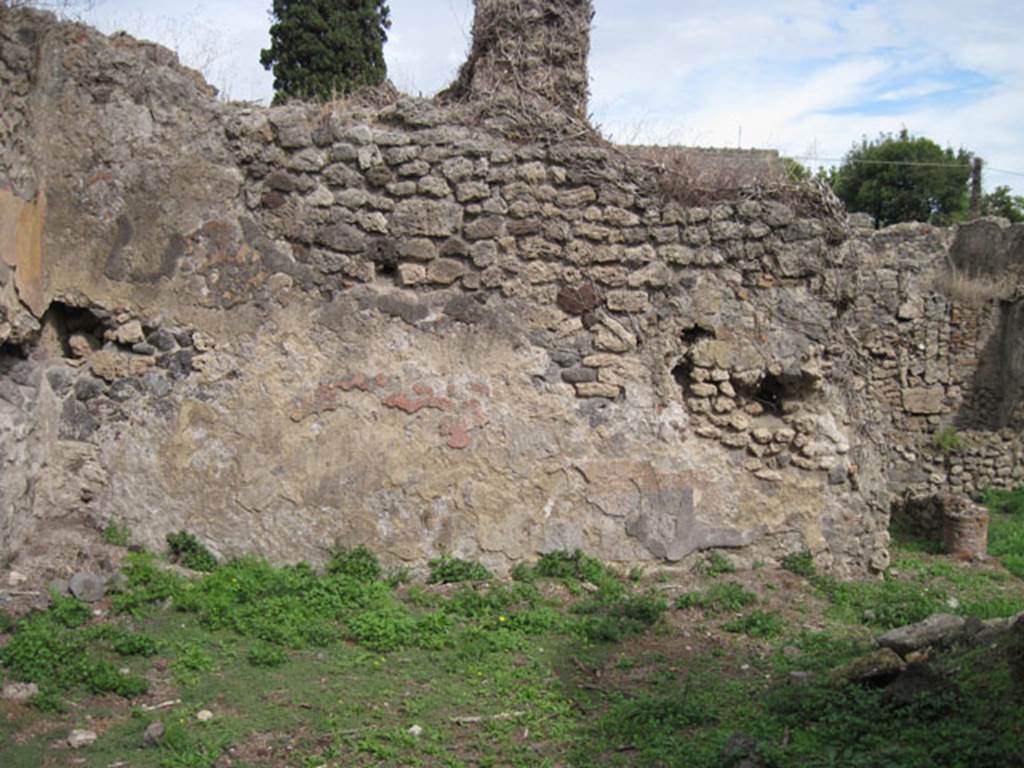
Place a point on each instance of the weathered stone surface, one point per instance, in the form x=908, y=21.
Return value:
x=593, y=389
x=88, y=587
x=343, y=238
x=413, y=218
x=579, y=299
x=924, y=401
x=445, y=271
x=20, y=692
x=78, y=739
x=387, y=326
x=153, y=735
x=939, y=629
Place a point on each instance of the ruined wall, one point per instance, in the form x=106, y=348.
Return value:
x=401, y=326
x=528, y=49
x=938, y=319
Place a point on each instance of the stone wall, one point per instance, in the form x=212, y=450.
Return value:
x=943, y=355
x=395, y=325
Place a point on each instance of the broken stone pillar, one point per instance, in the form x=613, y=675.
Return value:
x=964, y=528
x=536, y=47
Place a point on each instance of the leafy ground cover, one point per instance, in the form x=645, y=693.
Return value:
x=569, y=664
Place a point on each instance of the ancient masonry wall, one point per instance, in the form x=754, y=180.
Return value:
x=938, y=316
x=393, y=325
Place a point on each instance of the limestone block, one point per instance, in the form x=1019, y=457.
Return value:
x=628, y=301
x=434, y=186
x=924, y=401
x=609, y=391
x=445, y=271
x=412, y=274
x=416, y=218
x=417, y=249
x=654, y=275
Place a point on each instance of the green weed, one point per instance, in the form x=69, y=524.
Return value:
x=717, y=564
x=125, y=643
x=723, y=597
x=117, y=535
x=263, y=655
x=611, y=618
x=358, y=563
x=185, y=549
x=947, y=441
x=184, y=747
x=450, y=570
x=56, y=652
x=758, y=623
x=800, y=563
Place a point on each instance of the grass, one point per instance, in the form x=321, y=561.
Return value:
x=757, y=623
x=1006, y=528
x=572, y=664
x=723, y=597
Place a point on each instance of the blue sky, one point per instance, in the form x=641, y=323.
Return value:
x=806, y=77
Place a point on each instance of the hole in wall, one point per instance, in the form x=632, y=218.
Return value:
x=771, y=394
x=695, y=333
x=68, y=321
x=681, y=373
x=777, y=394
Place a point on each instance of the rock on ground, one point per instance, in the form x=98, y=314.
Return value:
x=80, y=738
x=88, y=587
x=938, y=629
x=19, y=691
x=876, y=668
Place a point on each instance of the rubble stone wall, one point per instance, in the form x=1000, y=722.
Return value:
x=393, y=325
x=945, y=372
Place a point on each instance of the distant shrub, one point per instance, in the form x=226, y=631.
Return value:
x=125, y=643
x=1006, y=529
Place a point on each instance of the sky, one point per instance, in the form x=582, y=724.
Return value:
x=806, y=77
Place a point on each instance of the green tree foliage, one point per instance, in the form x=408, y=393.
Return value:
x=904, y=178
x=1001, y=202
x=323, y=48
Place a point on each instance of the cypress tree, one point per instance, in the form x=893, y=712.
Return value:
x=322, y=48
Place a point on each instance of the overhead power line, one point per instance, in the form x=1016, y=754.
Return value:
x=902, y=162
